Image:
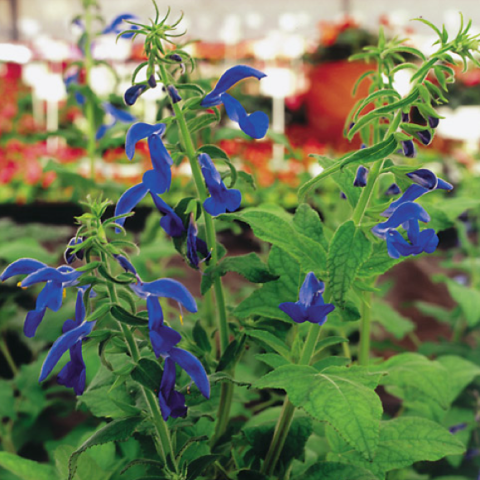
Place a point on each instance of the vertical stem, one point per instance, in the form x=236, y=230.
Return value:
x=364, y=348
x=166, y=449
x=285, y=420
x=8, y=357
x=89, y=108
x=227, y=388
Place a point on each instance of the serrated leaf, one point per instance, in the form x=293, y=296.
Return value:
x=118, y=430
x=26, y=469
x=272, y=359
x=271, y=341
x=349, y=249
x=461, y=373
x=329, y=342
x=265, y=300
x=275, y=229
x=307, y=222
x=201, y=122
x=404, y=441
x=378, y=262
x=343, y=397
x=122, y=315
x=468, y=299
x=248, y=266
x=199, y=465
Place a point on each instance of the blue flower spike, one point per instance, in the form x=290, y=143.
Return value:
x=361, y=177
x=256, y=124
x=310, y=306
x=221, y=198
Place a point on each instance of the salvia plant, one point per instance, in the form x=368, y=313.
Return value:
x=278, y=385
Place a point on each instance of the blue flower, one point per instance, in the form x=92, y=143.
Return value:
x=73, y=373
x=221, y=198
x=117, y=116
x=173, y=94
x=392, y=190
x=170, y=222
x=133, y=93
x=310, y=306
x=361, y=177
x=52, y=293
x=409, y=149
x=195, y=245
x=126, y=264
x=156, y=180
x=254, y=125
x=73, y=79
x=71, y=256
x=172, y=403
x=433, y=122
x=117, y=26
x=163, y=338
x=425, y=136
x=457, y=428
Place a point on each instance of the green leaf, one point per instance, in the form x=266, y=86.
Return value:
x=373, y=96
x=392, y=321
x=378, y=263
x=88, y=468
x=213, y=151
x=248, y=266
x=265, y=300
x=343, y=397
x=199, y=465
x=148, y=373
x=99, y=312
x=26, y=469
x=329, y=342
x=271, y=341
x=200, y=122
x=272, y=359
x=232, y=354
x=337, y=471
x=417, y=375
x=7, y=400
x=118, y=430
x=461, y=373
x=122, y=315
x=275, y=229
x=349, y=249
x=307, y=222
x=468, y=299
x=404, y=441
x=200, y=337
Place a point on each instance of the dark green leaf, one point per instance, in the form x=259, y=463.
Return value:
x=122, y=315
x=148, y=373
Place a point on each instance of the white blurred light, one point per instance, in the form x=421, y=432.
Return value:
x=50, y=87
x=32, y=72
x=50, y=49
x=230, y=32
x=315, y=169
x=10, y=52
x=293, y=46
x=462, y=123
x=288, y=22
x=29, y=27
x=279, y=82
x=253, y=20
x=102, y=80
x=268, y=48
x=106, y=47
x=401, y=82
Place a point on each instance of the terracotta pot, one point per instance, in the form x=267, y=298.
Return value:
x=329, y=100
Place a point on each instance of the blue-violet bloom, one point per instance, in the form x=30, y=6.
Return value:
x=392, y=190
x=117, y=116
x=71, y=256
x=361, y=177
x=256, y=124
x=132, y=93
x=221, y=198
x=310, y=306
x=117, y=25
x=172, y=403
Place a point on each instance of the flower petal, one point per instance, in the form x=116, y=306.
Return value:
x=33, y=320
x=132, y=93
x=117, y=24
x=296, y=311
x=23, y=266
x=310, y=288
x=117, y=113
x=318, y=313
x=411, y=194
x=361, y=177
x=424, y=177
x=157, y=181
x=50, y=273
x=137, y=132
x=193, y=367
x=168, y=288
x=127, y=202
x=155, y=313
x=254, y=125
x=73, y=373
x=171, y=222
x=62, y=344
x=227, y=80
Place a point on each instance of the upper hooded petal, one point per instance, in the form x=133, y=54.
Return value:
x=117, y=25
x=117, y=113
x=411, y=194
x=132, y=93
x=158, y=153
x=157, y=181
x=310, y=288
x=23, y=266
x=168, y=288
x=137, y=132
x=424, y=177
x=227, y=80
x=127, y=202
x=193, y=367
x=50, y=273
x=155, y=313
x=62, y=344
x=33, y=320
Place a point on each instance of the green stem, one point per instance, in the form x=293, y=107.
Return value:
x=364, y=348
x=227, y=388
x=8, y=357
x=285, y=420
x=89, y=107
x=165, y=444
